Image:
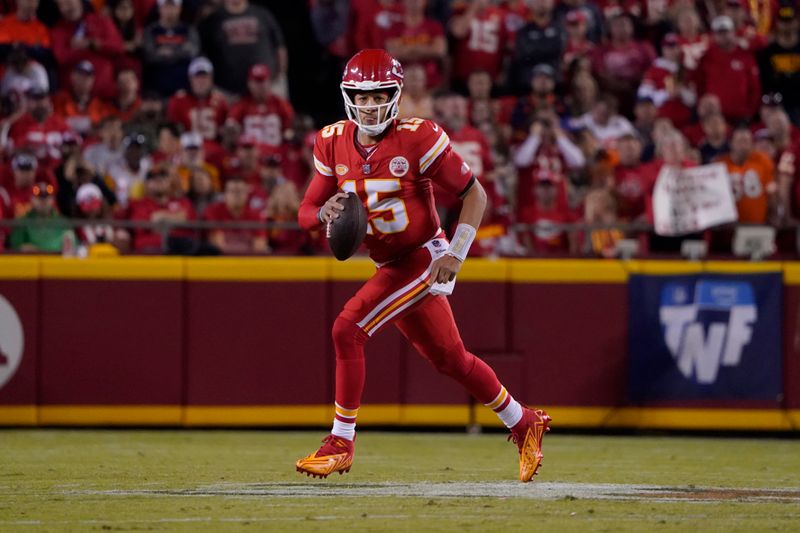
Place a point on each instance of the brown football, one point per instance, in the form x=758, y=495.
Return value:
x=346, y=233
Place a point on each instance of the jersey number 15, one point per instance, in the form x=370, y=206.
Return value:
x=392, y=216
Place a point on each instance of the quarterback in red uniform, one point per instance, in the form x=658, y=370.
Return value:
x=392, y=165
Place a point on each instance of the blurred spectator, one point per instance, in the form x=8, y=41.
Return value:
x=645, y=115
x=416, y=100
x=663, y=82
x=77, y=105
x=569, y=11
x=127, y=174
x=479, y=92
x=86, y=36
x=747, y=34
x=168, y=150
x=109, y=150
x=146, y=119
x=481, y=39
x=127, y=102
x=74, y=172
x=192, y=156
x=370, y=21
x=122, y=13
x=330, y=20
x=234, y=208
x=261, y=115
x=203, y=109
x=25, y=172
x=620, y=63
x=547, y=210
x=23, y=27
x=583, y=94
x=633, y=180
x=579, y=47
x=201, y=192
x=525, y=108
x=159, y=205
x=752, y=176
x=604, y=122
x=418, y=39
x=91, y=206
x=693, y=41
x=730, y=73
x=168, y=45
x=600, y=208
x=282, y=206
x=35, y=237
x=539, y=41
x=22, y=72
x=779, y=62
x=715, y=139
x=708, y=104
x=238, y=35
x=246, y=163
x=38, y=129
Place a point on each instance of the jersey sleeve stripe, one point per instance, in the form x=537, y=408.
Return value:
x=430, y=156
x=322, y=169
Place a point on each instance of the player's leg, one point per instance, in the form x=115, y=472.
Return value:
x=432, y=330
x=391, y=291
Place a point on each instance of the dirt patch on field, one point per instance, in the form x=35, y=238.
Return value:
x=722, y=494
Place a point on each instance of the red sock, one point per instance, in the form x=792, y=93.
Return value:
x=348, y=340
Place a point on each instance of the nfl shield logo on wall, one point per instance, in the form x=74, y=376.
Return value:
x=398, y=166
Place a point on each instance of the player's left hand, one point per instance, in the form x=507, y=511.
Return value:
x=444, y=269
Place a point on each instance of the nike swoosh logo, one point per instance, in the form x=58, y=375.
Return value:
x=435, y=127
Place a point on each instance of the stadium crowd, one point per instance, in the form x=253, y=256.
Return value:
x=170, y=111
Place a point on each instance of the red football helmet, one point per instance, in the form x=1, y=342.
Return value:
x=372, y=70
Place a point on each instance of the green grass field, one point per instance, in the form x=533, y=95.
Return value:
x=87, y=480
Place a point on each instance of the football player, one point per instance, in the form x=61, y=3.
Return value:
x=391, y=165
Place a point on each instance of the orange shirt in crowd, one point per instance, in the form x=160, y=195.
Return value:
x=28, y=32
x=753, y=182
x=80, y=119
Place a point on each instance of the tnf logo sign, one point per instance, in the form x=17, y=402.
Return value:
x=11, y=341
x=707, y=327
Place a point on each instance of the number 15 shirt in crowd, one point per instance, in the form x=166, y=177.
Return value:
x=393, y=178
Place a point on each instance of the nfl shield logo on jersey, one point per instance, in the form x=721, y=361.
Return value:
x=398, y=166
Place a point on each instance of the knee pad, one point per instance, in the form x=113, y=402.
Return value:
x=348, y=339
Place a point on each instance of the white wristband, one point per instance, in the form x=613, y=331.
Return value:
x=462, y=240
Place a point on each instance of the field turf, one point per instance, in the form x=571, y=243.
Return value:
x=89, y=480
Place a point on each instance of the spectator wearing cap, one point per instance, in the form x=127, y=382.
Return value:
x=203, y=108
x=539, y=41
x=35, y=237
x=126, y=176
x=86, y=36
x=779, y=62
x=22, y=72
x=24, y=27
x=25, y=172
x=481, y=39
x=620, y=63
x=160, y=205
x=192, y=156
x=416, y=99
x=78, y=105
x=715, y=138
x=238, y=35
x=415, y=38
x=103, y=154
x=772, y=104
x=262, y=115
x=730, y=73
x=750, y=33
x=587, y=13
x=168, y=46
x=37, y=129
x=579, y=48
x=664, y=82
x=235, y=208
x=73, y=172
x=92, y=208
x=127, y=102
x=246, y=163
x=542, y=97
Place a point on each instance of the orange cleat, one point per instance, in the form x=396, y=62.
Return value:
x=335, y=455
x=527, y=435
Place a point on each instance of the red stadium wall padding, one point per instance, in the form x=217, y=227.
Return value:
x=111, y=342
x=791, y=346
x=22, y=299
x=257, y=343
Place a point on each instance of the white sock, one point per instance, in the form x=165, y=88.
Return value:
x=507, y=408
x=344, y=430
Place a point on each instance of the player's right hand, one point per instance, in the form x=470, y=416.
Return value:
x=332, y=208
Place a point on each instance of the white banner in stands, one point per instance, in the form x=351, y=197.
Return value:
x=687, y=200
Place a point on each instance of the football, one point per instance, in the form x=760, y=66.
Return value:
x=346, y=233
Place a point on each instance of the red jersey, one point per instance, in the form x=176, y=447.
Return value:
x=576, y=50
x=659, y=81
x=424, y=33
x=143, y=210
x=471, y=145
x=394, y=181
x=547, y=237
x=264, y=121
x=692, y=50
x=550, y=160
x=43, y=138
x=240, y=240
x=732, y=76
x=203, y=115
x=627, y=62
x=483, y=46
x=632, y=186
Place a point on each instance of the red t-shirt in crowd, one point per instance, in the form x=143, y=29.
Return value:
x=202, y=115
x=43, y=138
x=424, y=33
x=264, y=121
x=237, y=240
x=733, y=77
x=632, y=186
x=143, y=210
x=483, y=46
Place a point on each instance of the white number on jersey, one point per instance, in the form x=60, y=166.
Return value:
x=379, y=201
